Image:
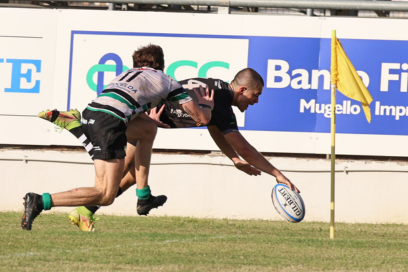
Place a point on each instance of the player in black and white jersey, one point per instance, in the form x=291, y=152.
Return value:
x=243, y=91
x=105, y=123
x=223, y=116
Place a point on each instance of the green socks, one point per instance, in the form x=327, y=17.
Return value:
x=143, y=193
x=46, y=200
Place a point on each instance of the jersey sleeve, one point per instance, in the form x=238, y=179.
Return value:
x=223, y=116
x=177, y=93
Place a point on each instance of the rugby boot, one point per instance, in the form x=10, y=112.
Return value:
x=83, y=218
x=32, y=208
x=64, y=119
x=145, y=205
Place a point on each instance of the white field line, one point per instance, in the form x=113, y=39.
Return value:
x=32, y=254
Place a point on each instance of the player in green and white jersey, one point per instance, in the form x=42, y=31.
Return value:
x=105, y=123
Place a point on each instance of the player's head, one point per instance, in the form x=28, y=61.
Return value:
x=149, y=56
x=247, y=85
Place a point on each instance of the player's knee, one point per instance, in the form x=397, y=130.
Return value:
x=107, y=199
x=149, y=131
x=152, y=131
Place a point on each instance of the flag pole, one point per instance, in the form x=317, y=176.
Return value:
x=333, y=142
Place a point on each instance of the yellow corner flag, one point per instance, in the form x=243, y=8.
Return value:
x=345, y=77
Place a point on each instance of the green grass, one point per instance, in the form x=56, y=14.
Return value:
x=187, y=244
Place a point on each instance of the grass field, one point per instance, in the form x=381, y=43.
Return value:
x=187, y=244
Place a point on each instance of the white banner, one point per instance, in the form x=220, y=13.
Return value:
x=63, y=58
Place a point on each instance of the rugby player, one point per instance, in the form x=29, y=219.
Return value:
x=105, y=123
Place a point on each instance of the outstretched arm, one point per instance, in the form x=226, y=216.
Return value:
x=227, y=149
x=251, y=155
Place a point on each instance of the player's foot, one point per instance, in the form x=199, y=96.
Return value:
x=32, y=208
x=83, y=218
x=64, y=119
x=145, y=205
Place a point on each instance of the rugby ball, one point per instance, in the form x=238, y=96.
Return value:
x=288, y=203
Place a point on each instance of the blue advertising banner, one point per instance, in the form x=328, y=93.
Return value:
x=276, y=59
x=297, y=93
x=296, y=97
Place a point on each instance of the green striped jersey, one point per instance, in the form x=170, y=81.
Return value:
x=136, y=91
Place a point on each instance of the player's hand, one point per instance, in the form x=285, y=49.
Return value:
x=247, y=168
x=282, y=179
x=155, y=116
x=205, y=97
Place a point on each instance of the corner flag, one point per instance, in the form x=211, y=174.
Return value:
x=344, y=75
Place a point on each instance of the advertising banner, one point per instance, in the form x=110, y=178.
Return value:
x=27, y=61
x=72, y=59
x=296, y=96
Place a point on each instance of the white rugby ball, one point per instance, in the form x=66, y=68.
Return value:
x=288, y=203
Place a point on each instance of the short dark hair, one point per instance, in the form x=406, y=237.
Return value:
x=248, y=77
x=149, y=56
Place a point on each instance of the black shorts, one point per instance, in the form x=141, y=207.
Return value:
x=134, y=143
x=107, y=134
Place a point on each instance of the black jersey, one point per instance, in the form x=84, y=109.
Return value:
x=222, y=115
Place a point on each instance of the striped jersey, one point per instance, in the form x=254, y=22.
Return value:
x=136, y=91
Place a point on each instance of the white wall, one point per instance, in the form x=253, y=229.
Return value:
x=202, y=186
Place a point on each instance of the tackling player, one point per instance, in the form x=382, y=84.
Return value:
x=105, y=123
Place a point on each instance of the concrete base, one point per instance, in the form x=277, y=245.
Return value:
x=209, y=186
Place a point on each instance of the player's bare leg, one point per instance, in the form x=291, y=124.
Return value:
x=146, y=201
x=129, y=178
x=143, y=131
x=142, y=162
x=130, y=158
x=108, y=176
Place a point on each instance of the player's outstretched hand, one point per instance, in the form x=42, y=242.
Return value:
x=247, y=168
x=155, y=116
x=282, y=179
x=205, y=97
